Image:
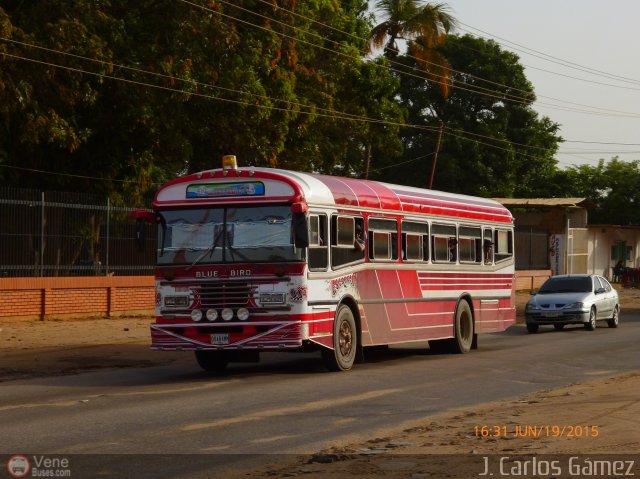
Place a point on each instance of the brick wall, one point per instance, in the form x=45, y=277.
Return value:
x=57, y=298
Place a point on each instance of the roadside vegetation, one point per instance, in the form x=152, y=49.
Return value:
x=118, y=97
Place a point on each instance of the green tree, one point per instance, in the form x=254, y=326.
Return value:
x=156, y=88
x=423, y=27
x=612, y=186
x=494, y=143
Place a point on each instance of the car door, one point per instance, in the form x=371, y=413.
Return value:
x=603, y=299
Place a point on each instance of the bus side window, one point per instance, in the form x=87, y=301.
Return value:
x=383, y=239
x=469, y=246
x=318, y=253
x=503, y=248
x=348, y=238
x=487, y=246
x=440, y=248
x=445, y=243
x=415, y=241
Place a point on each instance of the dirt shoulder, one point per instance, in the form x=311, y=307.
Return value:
x=592, y=417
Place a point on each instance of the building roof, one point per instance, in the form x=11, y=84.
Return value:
x=537, y=202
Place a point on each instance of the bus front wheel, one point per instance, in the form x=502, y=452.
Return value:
x=345, y=341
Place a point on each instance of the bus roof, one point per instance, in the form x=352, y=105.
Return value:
x=240, y=185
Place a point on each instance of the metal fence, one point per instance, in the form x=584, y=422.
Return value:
x=68, y=234
x=531, y=248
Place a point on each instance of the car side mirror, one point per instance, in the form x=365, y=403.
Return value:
x=533, y=292
x=600, y=290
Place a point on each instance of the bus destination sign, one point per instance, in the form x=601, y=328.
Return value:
x=222, y=190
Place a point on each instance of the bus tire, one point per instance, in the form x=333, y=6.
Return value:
x=345, y=341
x=212, y=361
x=462, y=340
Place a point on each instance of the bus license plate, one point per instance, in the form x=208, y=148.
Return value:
x=221, y=338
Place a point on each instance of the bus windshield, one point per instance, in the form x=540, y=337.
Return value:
x=226, y=235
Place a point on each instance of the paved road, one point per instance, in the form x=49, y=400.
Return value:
x=288, y=403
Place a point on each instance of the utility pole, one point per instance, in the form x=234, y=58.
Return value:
x=367, y=163
x=435, y=155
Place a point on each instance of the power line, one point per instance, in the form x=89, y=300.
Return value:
x=334, y=114
x=471, y=88
x=34, y=170
x=559, y=61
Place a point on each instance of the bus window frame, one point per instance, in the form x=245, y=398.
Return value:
x=334, y=233
x=323, y=232
x=423, y=240
x=498, y=255
x=377, y=229
x=487, y=235
x=474, y=240
x=446, y=236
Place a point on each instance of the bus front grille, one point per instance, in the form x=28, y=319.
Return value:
x=226, y=295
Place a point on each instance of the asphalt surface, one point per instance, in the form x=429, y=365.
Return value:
x=289, y=403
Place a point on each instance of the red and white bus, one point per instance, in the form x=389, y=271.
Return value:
x=259, y=259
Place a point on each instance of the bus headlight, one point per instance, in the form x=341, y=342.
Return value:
x=227, y=314
x=196, y=315
x=243, y=314
x=212, y=314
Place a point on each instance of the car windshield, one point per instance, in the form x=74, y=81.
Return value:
x=566, y=285
x=226, y=235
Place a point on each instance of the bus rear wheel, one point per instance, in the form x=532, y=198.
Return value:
x=345, y=341
x=463, y=329
x=212, y=361
x=464, y=338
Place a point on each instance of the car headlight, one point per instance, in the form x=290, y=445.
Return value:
x=532, y=307
x=196, y=315
x=574, y=306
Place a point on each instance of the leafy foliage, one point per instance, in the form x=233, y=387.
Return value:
x=494, y=144
x=151, y=89
x=136, y=93
x=612, y=186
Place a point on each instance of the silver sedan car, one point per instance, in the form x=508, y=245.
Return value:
x=573, y=299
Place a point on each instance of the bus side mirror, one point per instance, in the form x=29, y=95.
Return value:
x=300, y=227
x=300, y=230
x=141, y=233
x=142, y=217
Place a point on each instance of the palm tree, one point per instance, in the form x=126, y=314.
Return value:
x=423, y=26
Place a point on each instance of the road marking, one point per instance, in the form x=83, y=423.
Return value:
x=90, y=397
x=285, y=411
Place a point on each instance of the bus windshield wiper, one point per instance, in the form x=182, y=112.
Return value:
x=209, y=250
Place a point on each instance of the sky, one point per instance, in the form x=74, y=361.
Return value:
x=589, y=34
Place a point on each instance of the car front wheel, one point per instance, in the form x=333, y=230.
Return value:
x=613, y=322
x=591, y=325
x=532, y=328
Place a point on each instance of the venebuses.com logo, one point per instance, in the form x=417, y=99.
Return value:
x=18, y=466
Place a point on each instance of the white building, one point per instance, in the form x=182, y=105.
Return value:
x=560, y=225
